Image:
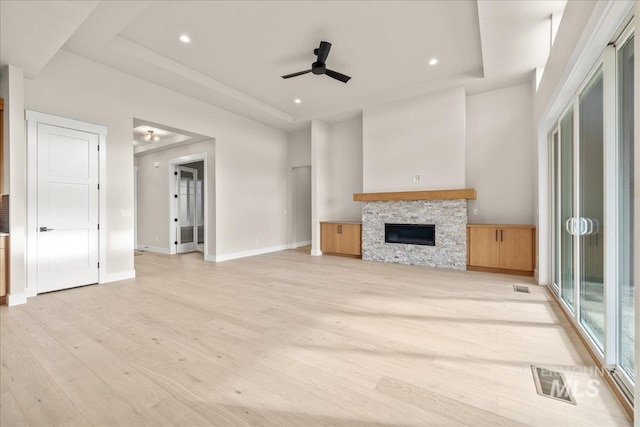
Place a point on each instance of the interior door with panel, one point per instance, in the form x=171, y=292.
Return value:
x=187, y=224
x=67, y=208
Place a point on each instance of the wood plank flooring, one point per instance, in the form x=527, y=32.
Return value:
x=289, y=339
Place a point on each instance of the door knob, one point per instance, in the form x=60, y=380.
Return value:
x=43, y=229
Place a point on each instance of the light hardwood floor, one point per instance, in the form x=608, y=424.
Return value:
x=290, y=339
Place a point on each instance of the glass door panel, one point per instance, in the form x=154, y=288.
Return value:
x=626, y=287
x=565, y=201
x=186, y=231
x=591, y=222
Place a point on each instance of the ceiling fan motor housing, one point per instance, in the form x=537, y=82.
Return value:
x=318, y=68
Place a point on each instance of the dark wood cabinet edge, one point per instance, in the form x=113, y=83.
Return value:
x=500, y=270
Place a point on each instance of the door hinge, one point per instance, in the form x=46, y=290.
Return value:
x=175, y=173
x=176, y=242
x=98, y=226
x=98, y=265
x=175, y=196
x=98, y=148
x=98, y=186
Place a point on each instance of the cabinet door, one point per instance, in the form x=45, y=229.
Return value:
x=516, y=249
x=329, y=238
x=3, y=267
x=350, y=238
x=484, y=247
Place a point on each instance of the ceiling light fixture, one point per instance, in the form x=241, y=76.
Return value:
x=150, y=136
x=433, y=61
x=185, y=38
x=297, y=100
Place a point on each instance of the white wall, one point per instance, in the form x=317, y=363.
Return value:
x=424, y=135
x=344, y=170
x=251, y=158
x=153, y=196
x=12, y=90
x=499, y=153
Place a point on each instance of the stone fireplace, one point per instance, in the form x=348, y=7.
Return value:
x=447, y=215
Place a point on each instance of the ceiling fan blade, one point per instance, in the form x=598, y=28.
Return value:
x=288, y=76
x=337, y=76
x=323, y=51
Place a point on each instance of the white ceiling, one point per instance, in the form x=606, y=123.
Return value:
x=239, y=50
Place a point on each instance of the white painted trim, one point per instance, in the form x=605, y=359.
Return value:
x=316, y=252
x=254, y=252
x=299, y=244
x=63, y=122
x=209, y=258
x=16, y=299
x=173, y=164
x=117, y=277
x=156, y=249
x=33, y=119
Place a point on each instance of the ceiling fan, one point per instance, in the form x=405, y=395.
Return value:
x=320, y=66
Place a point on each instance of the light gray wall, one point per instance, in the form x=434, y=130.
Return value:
x=344, y=170
x=300, y=147
x=251, y=158
x=499, y=153
x=301, y=188
x=424, y=135
x=319, y=180
x=153, y=195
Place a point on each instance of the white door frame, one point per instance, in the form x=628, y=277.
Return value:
x=33, y=119
x=173, y=167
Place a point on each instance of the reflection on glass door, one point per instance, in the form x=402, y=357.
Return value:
x=556, y=220
x=625, y=183
x=565, y=201
x=187, y=229
x=591, y=221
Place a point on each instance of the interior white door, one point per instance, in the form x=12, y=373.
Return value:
x=67, y=208
x=187, y=229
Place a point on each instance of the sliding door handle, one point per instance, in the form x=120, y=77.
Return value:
x=568, y=227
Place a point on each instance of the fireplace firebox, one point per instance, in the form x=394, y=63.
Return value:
x=410, y=234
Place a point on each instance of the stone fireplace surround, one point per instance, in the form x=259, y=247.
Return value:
x=449, y=215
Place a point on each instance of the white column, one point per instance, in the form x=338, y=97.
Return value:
x=319, y=193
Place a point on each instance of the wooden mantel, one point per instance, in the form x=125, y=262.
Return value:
x=468, y=193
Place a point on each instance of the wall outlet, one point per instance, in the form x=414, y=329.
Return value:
x=475, y=211
x=157, y=239
x=156, y=164
x=257, y=240
x=416, y=177
x=125, y=213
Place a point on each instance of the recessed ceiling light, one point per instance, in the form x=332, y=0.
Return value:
x=433, y=61
x=297, y=100
x=185, y=38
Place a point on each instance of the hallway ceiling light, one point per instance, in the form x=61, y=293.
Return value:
x=150, y=136
x=297, y=100
x=433, y=61
x=185, y=38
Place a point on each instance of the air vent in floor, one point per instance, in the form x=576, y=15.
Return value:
x=552, y=384
x=523, y=289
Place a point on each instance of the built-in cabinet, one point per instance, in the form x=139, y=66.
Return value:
x=501, y=248
x=341, y=238
x=2, y=146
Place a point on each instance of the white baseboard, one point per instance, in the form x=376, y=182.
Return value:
x=244, y=254
x=156, y=249
x=316, y=252
x=16, y=299
x=210, y=258
x=116, y=277
x=299, y=244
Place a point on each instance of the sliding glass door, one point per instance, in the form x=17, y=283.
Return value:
x=592, y=186
x=590, y=222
